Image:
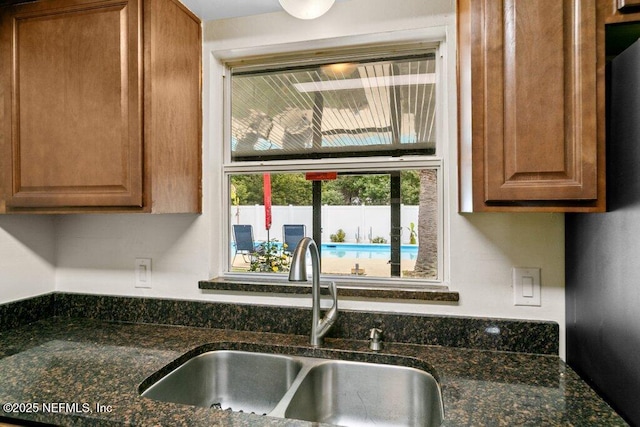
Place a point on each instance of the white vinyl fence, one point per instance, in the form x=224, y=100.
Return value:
x=360, y=223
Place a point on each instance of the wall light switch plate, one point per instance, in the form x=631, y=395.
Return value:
x=526, y=286
x=143, y=273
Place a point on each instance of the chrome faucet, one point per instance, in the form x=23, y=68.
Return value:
x=298, y=273
x=375, y=339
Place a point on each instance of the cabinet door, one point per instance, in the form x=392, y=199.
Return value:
x=626, y=5
x=74, y=137
x=532, y=100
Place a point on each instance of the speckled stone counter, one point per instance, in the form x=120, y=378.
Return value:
x=97, y=364
x=525, y=336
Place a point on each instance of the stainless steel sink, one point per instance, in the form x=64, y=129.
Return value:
x=365, y=394
x=236, y=380
x=341, y=392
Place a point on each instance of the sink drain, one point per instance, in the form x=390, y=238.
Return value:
x=218, y=406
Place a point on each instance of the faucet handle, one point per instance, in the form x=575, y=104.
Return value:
x=375, y=339
x=332, y=314
x=330, y=317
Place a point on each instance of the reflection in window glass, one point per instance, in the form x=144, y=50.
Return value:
x=365, y=230
x=335, y=110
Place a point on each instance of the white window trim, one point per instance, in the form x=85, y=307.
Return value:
x=344, y=165
x=436, y=37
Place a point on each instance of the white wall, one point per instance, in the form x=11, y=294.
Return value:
x=95, y=253
x=27, y=257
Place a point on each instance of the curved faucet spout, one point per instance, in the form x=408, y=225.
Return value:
x=298, y=273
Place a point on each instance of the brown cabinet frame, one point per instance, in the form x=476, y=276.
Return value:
x=529, y=111
x=153, y=161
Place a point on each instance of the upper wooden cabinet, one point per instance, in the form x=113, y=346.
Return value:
x=101, y=106
x=529, y=136
x=618, y=12
x=628, y=5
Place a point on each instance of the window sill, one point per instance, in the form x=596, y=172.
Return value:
x=434, y=293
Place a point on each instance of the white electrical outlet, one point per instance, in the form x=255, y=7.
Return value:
x=526, y=286
x=143, y=273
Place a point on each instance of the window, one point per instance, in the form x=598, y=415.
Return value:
x=343, y=150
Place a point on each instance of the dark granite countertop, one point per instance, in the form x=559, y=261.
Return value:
x=91, y=362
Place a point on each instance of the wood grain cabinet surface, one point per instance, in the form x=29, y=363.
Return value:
x=528, y=102
x=101, y=106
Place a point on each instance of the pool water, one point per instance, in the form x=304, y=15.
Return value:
x=361, y=251
x=366, y=251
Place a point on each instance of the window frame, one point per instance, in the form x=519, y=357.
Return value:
x=341, y=164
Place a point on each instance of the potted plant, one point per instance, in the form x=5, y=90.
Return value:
x=412, y=233
x=269, y=258
x=338, y=237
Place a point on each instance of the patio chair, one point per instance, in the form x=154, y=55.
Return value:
x=243, y=239
x=292, y=234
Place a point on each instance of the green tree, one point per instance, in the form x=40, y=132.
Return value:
x=332, y=196
x=248, y=188
x=358, y=189
x=410, y=187
x=294, y=189
x=427, y=258
x=286, y=189
x=290, y=189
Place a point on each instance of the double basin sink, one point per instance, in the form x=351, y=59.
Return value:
x=347, y=393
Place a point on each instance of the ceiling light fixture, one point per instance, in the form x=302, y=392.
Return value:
x=339, y=70
x=306, y=9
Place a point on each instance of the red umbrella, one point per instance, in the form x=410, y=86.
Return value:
x=267, y=200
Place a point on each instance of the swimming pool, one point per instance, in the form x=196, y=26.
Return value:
x=380, y=251
x=366, y=251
